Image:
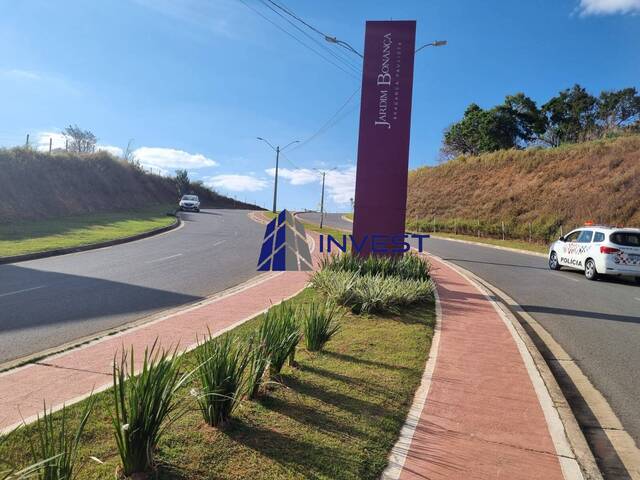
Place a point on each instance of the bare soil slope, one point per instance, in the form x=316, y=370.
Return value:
x=36, y=185
x=596, y=181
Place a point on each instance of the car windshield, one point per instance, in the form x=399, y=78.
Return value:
x=190, y=198
x=626, y=239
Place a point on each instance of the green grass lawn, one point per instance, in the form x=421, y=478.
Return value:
x=334, y=417
x=518, y=244
x=42, y=235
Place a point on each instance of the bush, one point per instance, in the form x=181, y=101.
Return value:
x=371, y=293
x=280, y=333
x=144, y=404
x=222, y=362
x=257, y=366
x=319, y=325
x=54, y=450
x=409, y=266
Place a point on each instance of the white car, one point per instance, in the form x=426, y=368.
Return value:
x=598, y=250
x=190, y=202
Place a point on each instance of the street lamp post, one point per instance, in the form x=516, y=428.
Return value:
x=276, y=149
x=436, y=43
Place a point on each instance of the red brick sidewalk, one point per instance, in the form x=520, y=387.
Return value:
x=69, y=376
x=482, y=418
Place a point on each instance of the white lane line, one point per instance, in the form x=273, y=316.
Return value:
x=638, y=299
x=165, y=258
x=570, y=278
x=21, y=291
x=220, y=242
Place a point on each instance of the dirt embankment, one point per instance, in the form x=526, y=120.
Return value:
x=535, y=190
x=36, y=185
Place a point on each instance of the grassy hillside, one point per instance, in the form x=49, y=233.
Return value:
x=533, y=191
x=36, y=185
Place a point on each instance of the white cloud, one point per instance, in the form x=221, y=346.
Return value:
x=169, y=158
x=608, y=7
x=237, y=183
x=341, y=185
x=20, y=74
x=112, y=149
x=298, y=176
x=57, y=141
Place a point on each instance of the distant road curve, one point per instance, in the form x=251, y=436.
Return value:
x=49, y=302
x=597, y=323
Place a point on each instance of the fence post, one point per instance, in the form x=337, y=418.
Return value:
x=503, y=230
x=561, y=234
x=478, y=232
x=455, y=226
x=434, y=224
x=530, y=232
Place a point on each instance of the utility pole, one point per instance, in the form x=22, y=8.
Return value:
x=275, y=185
x=27, y=144
x=322, y=201
x=50, y=143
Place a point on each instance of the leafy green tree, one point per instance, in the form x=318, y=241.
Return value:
x=618, y=109
x=182, y=181
x=571, y=117
x=480, y=131
x=528, y=120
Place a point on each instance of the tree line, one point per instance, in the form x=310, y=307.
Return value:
x=572, y=116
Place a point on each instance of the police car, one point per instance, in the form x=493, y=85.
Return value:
x=598, y=250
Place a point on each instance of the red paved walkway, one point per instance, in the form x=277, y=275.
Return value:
x=482, y=418
x=75, y=373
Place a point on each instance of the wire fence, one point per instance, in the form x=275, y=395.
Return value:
x=541, y=232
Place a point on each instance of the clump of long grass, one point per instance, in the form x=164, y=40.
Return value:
x=371, y=293
x=222, y=363
x=54, y=446
x=409, y=266
x=257, y=366
x=319, y=324
x=144, y=405
x=280, y=333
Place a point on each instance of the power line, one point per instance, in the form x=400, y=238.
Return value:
x=331, y=122
x=279, y=27
x=345, y=62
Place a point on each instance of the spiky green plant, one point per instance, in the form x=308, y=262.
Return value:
x=408, y=266
x=280, y=333
x=257, y=366
x=144, y=405
x=369, y=293
x=222, y=361
x=54, y=448
x=319, y=324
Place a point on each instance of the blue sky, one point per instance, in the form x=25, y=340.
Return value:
x=194, y=82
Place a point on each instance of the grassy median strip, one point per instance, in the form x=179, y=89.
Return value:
x=42, y=235
x=335, y=415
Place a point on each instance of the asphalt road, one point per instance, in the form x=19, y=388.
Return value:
x=597, y=323
x=49, y=302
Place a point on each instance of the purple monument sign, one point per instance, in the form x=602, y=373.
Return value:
x=385, y=123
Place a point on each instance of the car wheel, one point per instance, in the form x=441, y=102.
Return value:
x=637, y=279
x=197, y=210
x=590, y=270
x=553, y=261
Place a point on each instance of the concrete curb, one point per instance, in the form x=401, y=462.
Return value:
x=572, y=431
x=346, y=219
x=91, y=246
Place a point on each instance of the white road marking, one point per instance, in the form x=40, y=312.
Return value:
x=570, y=278
x=21, y=291
x=165, y=258
x=218, y=243
x=638, y=299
